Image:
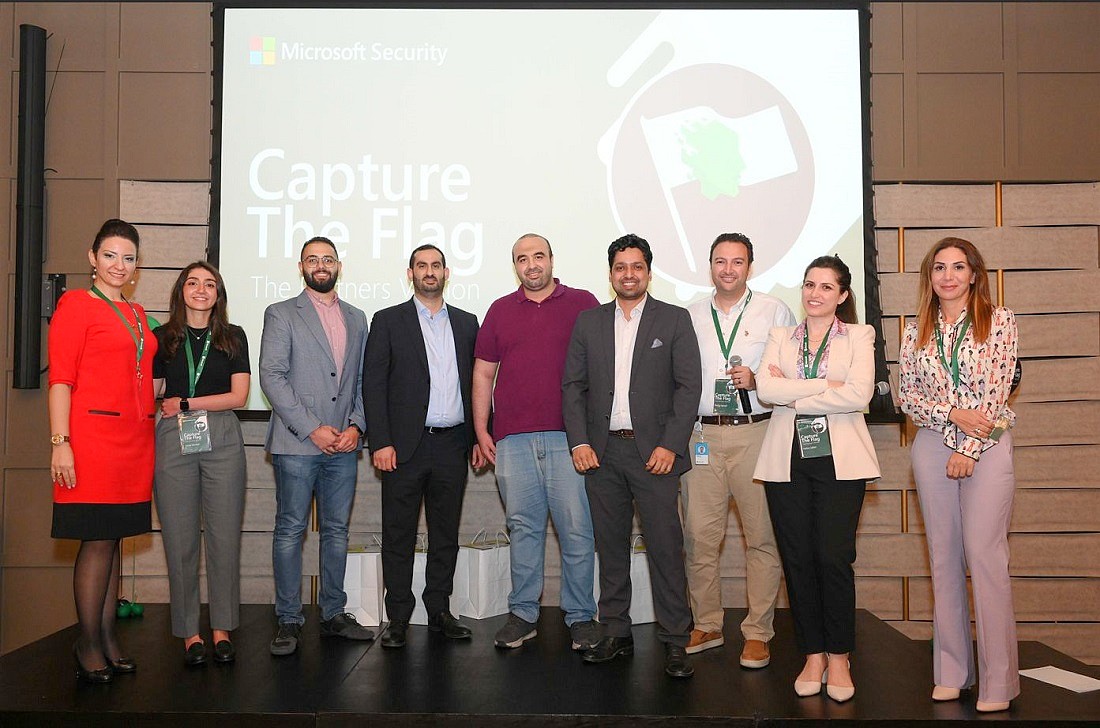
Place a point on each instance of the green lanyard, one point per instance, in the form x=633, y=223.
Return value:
x=811, y=373
x=725, y=346
x=193, y=372
x=953, y=367
x=138, y=336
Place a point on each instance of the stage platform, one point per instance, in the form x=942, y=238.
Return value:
x=435, y=682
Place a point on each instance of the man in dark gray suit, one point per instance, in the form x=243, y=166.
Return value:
x=630, y=392
x=311, y=370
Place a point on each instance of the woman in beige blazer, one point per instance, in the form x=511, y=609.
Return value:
x=815, y=462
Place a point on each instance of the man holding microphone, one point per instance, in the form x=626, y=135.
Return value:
x=732, y=327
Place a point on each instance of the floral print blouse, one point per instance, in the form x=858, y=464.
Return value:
x=926, y=389
x=839, y=328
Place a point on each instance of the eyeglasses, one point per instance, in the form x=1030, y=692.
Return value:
x=327, y=261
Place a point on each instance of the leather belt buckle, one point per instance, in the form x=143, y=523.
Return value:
x=732, y=420
x=624, y=434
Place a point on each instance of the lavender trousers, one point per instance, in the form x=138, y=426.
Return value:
x=966, y=523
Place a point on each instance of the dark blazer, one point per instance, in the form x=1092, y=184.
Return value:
x=396, y=383
x=665, y=380
x=298, y=375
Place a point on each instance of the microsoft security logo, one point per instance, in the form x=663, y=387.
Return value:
x=261, y=50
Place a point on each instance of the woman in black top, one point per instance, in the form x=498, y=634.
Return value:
x=202, y=370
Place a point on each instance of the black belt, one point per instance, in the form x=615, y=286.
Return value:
x=437, y=430
x=624, y=434
x=734, y=419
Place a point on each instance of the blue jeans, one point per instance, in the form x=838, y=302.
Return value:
x=298, y=478
x=536, y=477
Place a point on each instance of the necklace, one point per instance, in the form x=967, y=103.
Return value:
x=198, y=336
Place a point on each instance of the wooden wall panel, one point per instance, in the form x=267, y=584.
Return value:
x=1053, y=291
x=74, y=212
x=31, y=605
x=78, y=96
x=149, y=115
x=1044, y=98
x=1072, y=466
x=1061, y=554
x=888, y=132
x=150, y=32
x=940, y=116
x=1061, y=39
x=28, y=515
x=1056, y=423
x=1055, y=380
x=958, y=37
x=173, y=246
x=81, y=30
x=1063, y=334
x=917, y=205
x=154, y=288
x=1063, y=204
x=165, y=203
x=895, y=554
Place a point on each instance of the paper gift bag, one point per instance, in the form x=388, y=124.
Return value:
x=641, y=590
x=419, y=580
x=363, y=583
x=490, y=576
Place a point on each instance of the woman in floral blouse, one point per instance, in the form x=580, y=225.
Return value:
x=957, y=363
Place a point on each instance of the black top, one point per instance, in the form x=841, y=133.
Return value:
x=215, y=378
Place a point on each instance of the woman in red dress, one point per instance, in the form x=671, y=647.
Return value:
x=101, y=416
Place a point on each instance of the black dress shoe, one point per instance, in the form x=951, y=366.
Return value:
x=677, y=663
x=451, y=628
x=123, y=665
x=608, y=648
x=395, y=634
x=95, y=677
x=224, y=652
x=195, y=655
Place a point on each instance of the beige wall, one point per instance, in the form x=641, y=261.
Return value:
x=977, y=92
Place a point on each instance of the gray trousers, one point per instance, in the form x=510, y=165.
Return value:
x=966, y=524
x=199, y=495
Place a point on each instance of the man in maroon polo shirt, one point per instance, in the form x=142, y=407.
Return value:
x=522, y=345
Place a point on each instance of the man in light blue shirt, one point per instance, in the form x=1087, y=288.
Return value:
x=417, y=374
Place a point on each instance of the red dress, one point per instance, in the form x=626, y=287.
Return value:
x=111, y=418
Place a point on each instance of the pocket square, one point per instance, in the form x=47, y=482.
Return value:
x=656, y=343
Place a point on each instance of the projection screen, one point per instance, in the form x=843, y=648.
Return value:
x=385, y=128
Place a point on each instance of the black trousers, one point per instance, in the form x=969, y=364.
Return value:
x=620, y=483
x=435, y=475
x=815, y=518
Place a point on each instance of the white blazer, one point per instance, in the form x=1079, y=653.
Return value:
x=851, y=360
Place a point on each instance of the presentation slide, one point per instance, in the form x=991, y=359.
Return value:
x=384, y=129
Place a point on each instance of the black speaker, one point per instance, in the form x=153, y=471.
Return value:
x=29, y=207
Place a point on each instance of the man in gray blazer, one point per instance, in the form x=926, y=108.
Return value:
x=311, y=370
x=630, y=392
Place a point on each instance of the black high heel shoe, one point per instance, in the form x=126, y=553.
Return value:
x=94, y=677
x=123, y=665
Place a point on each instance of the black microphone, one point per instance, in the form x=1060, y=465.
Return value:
x=743, y=394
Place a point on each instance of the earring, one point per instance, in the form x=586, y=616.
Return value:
x=93, y=274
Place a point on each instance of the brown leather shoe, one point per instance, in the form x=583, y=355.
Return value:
x=755, y=654
x=701, y=640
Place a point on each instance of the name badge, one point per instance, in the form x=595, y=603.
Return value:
x=194, y=427
x=813, y=437
x=725, y=398
x=702, y=453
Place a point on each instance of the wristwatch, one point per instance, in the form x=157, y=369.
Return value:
x=185, y=406
x=58, y=439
